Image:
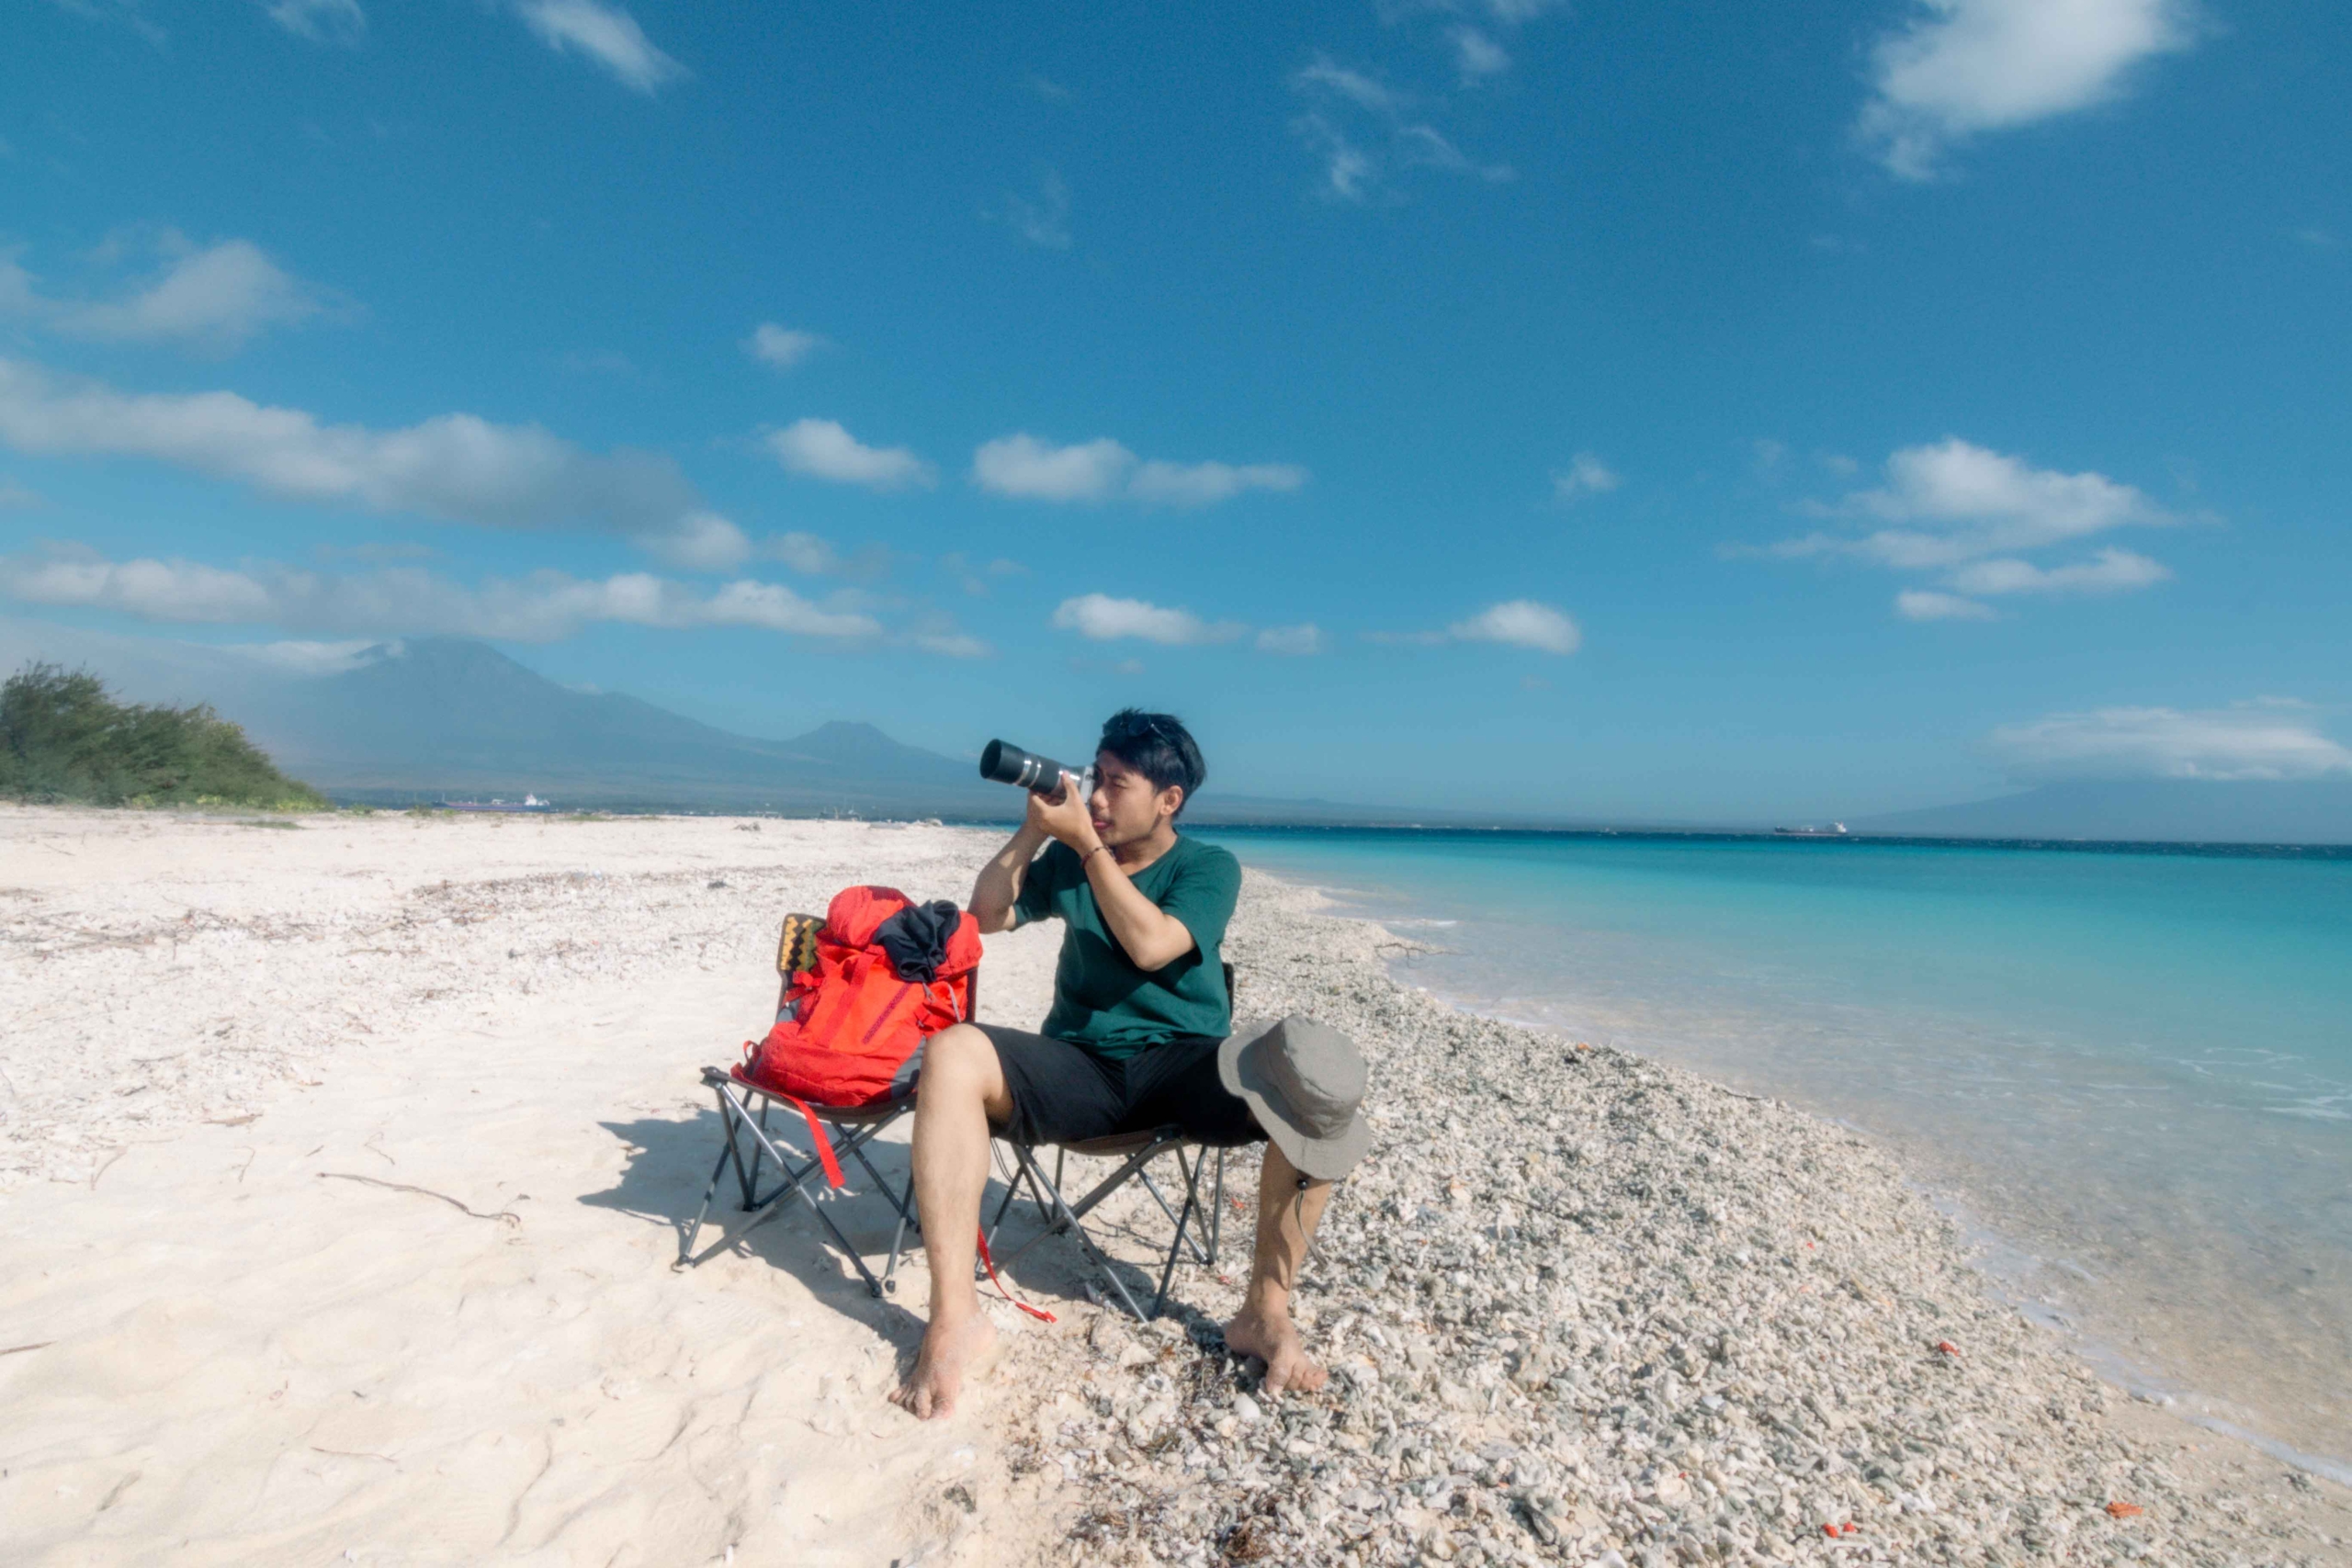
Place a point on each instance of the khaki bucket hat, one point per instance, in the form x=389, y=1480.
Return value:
x=1305, y=1081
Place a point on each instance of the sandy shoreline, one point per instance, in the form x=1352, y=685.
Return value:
x=339, y=1179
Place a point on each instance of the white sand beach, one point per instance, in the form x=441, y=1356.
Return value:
x=343, y=1159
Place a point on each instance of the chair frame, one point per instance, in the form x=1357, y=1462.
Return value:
x=851, y=1128
x=1062, y=1217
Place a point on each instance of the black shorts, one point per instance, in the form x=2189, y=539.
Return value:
x=1065, y=1094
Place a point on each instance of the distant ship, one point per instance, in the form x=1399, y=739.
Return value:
x=528, y=803
x=1835, y=830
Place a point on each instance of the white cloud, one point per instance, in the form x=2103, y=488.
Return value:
x=2255, y=740
x=18, y=295
x=1356, y=164
x=1203, y=484
x=128, y=12
x=1513, y=12
x=1961, y=67
x=940, y=635
x=1425, y=147
x=307, y=658
x=1968, y=515
x=1325, y=75
x=1476, y=56
x=606, y=34
x=1585, y=475
x=2110, y=571
x=1520, y=622
x=782, y=347
x=822, y=449
x=542, y=607
x=813, y=557
x=1957, y=501
x=154, y=590
x=1105, y=619
x=1925, y=605
x=700, y=541
x=321, y=22
x=803, y=553
x=454, y=466
x=375, y=552
x=1042, y=220
x=974, y=578
x=952, y=645
x=1021, y=465
x=1299, y=641
x=1103, y=469
x=213, y=296
x=1349, y=172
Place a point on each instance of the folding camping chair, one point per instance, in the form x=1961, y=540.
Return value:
x=1136, y=1151
x=745, y=1106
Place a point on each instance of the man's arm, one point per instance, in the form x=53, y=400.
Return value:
x=1148, y=935
x=997, y=888
x=1151, y=936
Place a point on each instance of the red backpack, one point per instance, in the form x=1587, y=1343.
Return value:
x=851, y=1028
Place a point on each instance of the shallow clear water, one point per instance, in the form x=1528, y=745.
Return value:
x=2133, y=1069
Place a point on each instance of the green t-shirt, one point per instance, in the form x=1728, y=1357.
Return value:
x=1101, y=1000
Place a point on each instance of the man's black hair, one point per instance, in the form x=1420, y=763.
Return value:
x=1158, y=746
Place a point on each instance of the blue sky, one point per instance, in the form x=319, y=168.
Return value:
x=1647, y=410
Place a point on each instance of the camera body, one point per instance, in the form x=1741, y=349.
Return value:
x=1003, y=763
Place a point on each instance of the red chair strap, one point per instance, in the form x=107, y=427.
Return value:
x=1040, y=1313
x=817, y=1137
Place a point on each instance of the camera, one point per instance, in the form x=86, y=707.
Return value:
x=1003, y=763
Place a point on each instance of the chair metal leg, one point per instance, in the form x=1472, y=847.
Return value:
x=898, y=1249
x=765, y=1106
x=710, y=1190
x=1217, y=1210
x=728, y=1109
x=1068, y=1218
x=903, y=1203
x=1176, y=1250
x=872, y=1285
x=1049, y=1211
x=1012, y=1186
x=1059, y=1215
x=1191, y=1201
x=764, y=1207
x=794, y=1178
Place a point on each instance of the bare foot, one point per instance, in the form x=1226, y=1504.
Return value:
x=1273, y=1339
x=950, y=1351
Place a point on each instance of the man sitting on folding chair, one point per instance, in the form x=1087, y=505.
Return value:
x=1136, y=1039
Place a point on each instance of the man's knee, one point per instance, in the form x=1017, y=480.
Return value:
x=960, y=1060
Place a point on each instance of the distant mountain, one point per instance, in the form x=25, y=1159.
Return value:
x=2302, y=811
x=448, y=715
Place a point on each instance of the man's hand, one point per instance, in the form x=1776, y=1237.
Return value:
x=1068, y=818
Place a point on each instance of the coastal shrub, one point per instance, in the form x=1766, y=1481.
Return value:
x=64, y=739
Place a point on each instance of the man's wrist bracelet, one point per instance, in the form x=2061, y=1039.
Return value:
x=1099, y=848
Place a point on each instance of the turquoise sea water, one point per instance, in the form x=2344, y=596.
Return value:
x=2130, y=1072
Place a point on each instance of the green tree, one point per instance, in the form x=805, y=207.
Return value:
x=62, y=737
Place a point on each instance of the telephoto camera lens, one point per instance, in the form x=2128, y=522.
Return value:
x=1003, y=763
